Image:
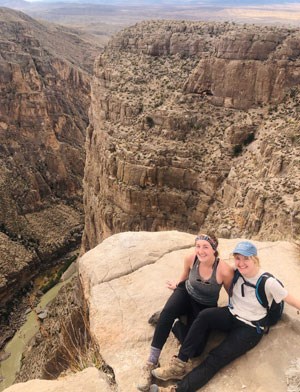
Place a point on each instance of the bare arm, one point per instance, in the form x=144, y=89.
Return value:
x=188, y=260
x=227, y=273
x=293, y=301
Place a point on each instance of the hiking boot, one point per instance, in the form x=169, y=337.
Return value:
x=146, y=377
x=176, y=370
x=156, y=388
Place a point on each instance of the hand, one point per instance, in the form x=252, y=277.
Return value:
x=171, y=284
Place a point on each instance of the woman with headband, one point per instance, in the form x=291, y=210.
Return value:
x=198, y=288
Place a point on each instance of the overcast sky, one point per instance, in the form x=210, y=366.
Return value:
x=198, y=2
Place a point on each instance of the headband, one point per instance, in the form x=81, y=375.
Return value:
x=207, y=238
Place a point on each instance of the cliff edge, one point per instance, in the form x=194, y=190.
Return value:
x=123, y=280
x=124, y=284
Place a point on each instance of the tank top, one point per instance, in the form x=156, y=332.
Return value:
x=203, y=291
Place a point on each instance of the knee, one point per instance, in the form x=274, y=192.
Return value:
x=167, y=314
x=217, y=358
x=205, y=315
x=222, y=355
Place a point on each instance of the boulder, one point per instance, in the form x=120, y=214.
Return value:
x=123, y=280
x=89, y=380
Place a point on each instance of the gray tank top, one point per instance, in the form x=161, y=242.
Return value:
x=203, y=291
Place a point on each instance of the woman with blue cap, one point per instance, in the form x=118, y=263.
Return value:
x=242, y=320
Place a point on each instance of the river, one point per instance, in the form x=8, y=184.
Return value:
x=16, y=346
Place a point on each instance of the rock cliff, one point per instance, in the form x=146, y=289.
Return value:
x=45, y=91
x=123, y=280
x=195, y=125
x=124, y=283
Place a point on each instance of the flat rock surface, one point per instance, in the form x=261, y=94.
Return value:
x=90, y=380
x=124, y=283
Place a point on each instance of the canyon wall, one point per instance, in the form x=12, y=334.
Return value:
x=194, y=126
x=45, y=92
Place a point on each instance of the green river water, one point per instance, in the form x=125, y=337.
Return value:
x=16, y=346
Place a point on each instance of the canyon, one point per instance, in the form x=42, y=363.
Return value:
x=195, y=125
x=45, y=73
x=175, y=125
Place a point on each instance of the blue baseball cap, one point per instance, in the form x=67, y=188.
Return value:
x=245, y=248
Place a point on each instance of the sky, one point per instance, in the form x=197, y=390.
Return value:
x=199, y=2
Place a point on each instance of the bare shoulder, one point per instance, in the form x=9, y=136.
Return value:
x=225, y=274
x=225, y=269
x=189, y=260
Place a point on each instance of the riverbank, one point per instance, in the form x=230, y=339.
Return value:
x=13, y=316
x=63, y=343
x=51, y=331
x=40, y=358
x=11, y=358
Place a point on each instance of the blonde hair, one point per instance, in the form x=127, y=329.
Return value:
x=255, y=259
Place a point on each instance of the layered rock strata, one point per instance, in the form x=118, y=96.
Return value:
x=195, y=125
x=44, y=89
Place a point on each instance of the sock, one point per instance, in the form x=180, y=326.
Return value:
x=154, y=355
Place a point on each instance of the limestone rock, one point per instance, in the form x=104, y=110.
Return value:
x=248, y=67
x=194, y=125
x=62, y=343
x=123, y=280
x=44, y=86
x=89, y=380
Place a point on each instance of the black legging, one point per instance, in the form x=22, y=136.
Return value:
x=180, y=303
x=240, y=338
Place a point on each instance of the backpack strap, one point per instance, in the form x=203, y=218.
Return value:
x=260, y=294
x=236, y=276
x=273, y=312
x=260, y=289
x=246, y=283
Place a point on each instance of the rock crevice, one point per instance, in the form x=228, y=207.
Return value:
x=194, y=125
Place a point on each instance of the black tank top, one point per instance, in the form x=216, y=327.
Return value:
x=203, y=291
